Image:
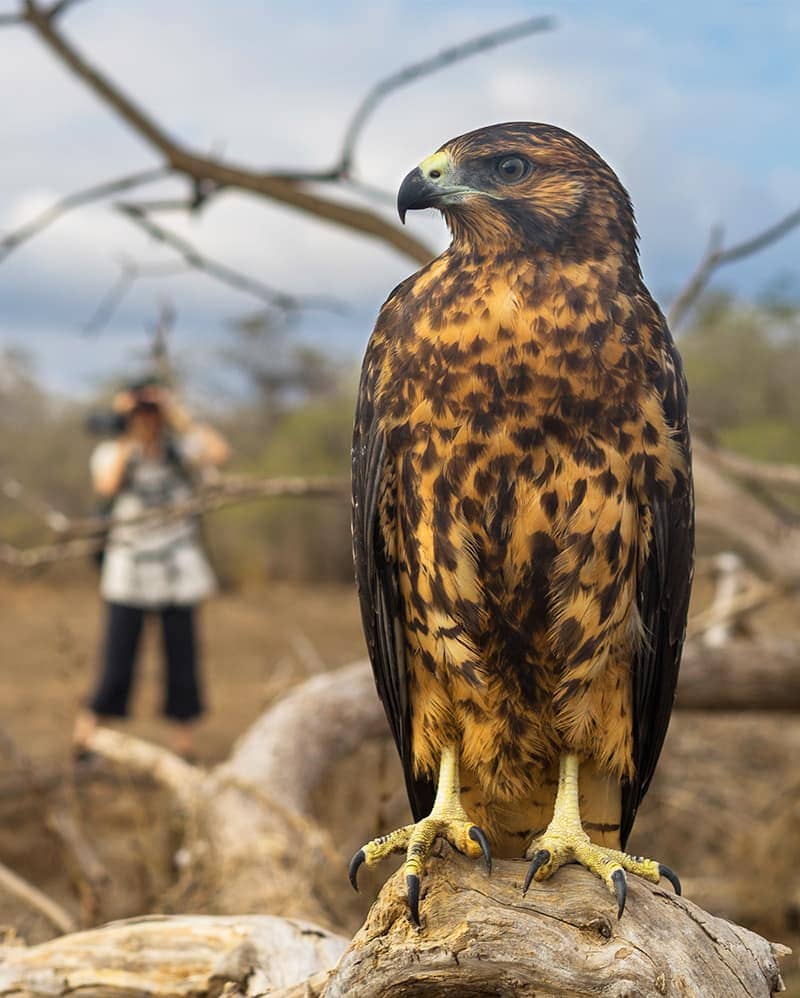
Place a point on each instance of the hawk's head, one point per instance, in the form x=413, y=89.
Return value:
x=523, y=183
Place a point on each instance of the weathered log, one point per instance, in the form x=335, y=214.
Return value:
x=162, y=956
x=480, y=936
x=741, y=675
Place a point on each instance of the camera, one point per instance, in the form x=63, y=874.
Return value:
x=106, y=423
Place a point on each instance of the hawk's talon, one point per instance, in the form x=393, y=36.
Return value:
x=540, y=857
x=412, y=894
x=477, y=835
x=355, y=863
x=620, y=882
x=671, y=876
x=565, y=841
x=448, y=820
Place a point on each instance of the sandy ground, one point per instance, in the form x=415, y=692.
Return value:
x=255, y=645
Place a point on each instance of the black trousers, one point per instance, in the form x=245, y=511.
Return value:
x=123, y=630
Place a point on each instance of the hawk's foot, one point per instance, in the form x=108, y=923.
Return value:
x=565, y=841
x=448, y=820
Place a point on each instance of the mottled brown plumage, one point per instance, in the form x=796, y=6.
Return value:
x=522, y=490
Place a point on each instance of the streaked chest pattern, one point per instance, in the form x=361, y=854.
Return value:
x=521, y=406
x=533, y=359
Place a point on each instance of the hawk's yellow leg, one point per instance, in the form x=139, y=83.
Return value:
x=448, y=820
x=565, y=841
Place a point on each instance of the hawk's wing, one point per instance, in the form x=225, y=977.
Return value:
x=663, y=598
x=374, y=504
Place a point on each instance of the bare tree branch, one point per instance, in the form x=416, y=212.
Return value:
x=14, y=490
x=448, y=56
x=221, y=272
x=87, y=535
x=95, y=193
x=203, y=169
x=130, y=272
x=716, y=257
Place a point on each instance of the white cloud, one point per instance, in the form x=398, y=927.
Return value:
x=275, y=86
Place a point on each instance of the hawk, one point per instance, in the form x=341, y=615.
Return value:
x=523, y=513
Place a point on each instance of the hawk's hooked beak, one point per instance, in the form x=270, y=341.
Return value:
x=416, y=191
x=431, y=185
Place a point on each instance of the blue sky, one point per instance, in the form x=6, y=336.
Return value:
x=695, y=105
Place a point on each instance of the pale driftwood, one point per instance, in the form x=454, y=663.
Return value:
x=173, y=956
x=479, y=936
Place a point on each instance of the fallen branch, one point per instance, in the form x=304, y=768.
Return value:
x=170, y=957
x=30, y=896
x=740, y=676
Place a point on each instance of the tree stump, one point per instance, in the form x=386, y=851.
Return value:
x=479, y=936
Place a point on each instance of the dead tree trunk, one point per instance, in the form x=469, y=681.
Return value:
x=479, y=936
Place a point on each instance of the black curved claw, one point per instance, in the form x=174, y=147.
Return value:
x=476, y=834
x=672, y=877
x=539, y=859
x=412, y=890
x=620, y=889
x=355, y=863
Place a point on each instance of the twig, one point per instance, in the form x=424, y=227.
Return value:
x=14, y=239
x=448, y=56
x=715, y=257
x=13, y=489
x=61, y=6
x=36, y=899
x=130, y=272
x=228, y=491
x=221, y=272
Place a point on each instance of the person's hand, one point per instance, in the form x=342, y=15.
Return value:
x=123, y=403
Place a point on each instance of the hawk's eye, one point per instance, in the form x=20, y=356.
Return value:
x=512, y=168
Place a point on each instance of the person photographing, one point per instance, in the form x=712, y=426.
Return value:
x=151, y=565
